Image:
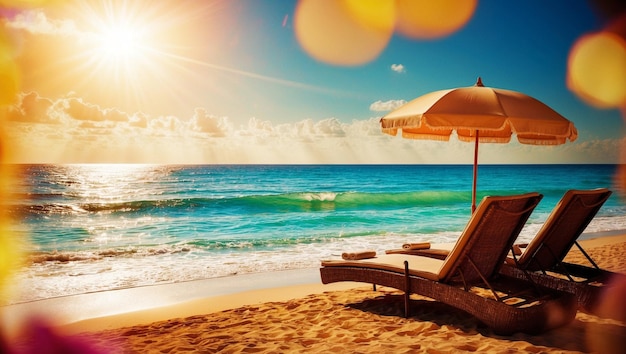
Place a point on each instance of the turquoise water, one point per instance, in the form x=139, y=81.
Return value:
x=98, y=227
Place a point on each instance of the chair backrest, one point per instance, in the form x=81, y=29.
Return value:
x=566, y=223
x=489, y=235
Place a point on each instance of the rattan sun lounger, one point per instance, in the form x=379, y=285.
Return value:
x=511, y=306
x=542, y=258
x=541, y=261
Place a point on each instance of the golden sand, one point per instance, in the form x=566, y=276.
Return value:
x=357, y=320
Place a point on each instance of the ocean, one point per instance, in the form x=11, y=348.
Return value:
x=91, y=228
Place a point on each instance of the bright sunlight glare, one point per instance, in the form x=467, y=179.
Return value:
x=121, y=41
x=119, y=44
x=120, y=37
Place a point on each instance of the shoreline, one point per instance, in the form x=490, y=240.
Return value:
x=143, y=306
x=586, y=236
x=310, y=273
x=91, y=307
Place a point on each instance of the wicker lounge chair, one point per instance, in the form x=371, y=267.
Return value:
x=510, y=306
x=541, y=260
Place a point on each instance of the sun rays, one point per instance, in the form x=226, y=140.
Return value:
x=119, y=44
x=149, y=57
x=119, y=52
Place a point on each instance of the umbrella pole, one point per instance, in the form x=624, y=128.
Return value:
x=475, y=172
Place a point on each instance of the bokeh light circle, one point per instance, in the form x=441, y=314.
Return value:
x=10, y=249
x=28, y=3
x=344, y=32
x=430, y=19
x=596, y=69
x=9, y=72
x=611, y=306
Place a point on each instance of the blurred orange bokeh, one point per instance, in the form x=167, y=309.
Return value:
x=344, y=32
x=10, y=249
x=10, y=255
x=427, y=19
x=9, y=72
x=28, y=3
x=354, y=32
x=596, y=73
x=597, y=69
x=611, y=305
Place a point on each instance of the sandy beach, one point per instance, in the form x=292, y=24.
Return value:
x=343, y=317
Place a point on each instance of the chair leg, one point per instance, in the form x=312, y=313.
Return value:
x=407, y=290
x=586, y=255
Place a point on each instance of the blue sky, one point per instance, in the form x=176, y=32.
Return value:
x=228, y=82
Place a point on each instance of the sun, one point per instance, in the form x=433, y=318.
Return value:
x=119, y=55
x=120, y=45
x=132, y=54
x=119, y=42
x=119, y=38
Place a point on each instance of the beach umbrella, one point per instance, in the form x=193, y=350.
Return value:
x=479, y=114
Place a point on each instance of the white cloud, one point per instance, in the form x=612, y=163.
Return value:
x=77, y=109
x=256, y=124
x=204, y=123
x=166, y=126
x=85, y=132
x=330, y=127
x=384, y=106
x=31, y=108
x=36, y=22
x=139, y=120
x=399, y=68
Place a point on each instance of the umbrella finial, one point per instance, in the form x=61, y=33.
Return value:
x=479, y=82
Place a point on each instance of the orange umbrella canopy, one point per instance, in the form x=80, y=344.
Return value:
x=479, y=114
x=494, y=113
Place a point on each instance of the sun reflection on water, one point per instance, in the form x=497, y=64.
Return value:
x=109, y=182
x=92, y=196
